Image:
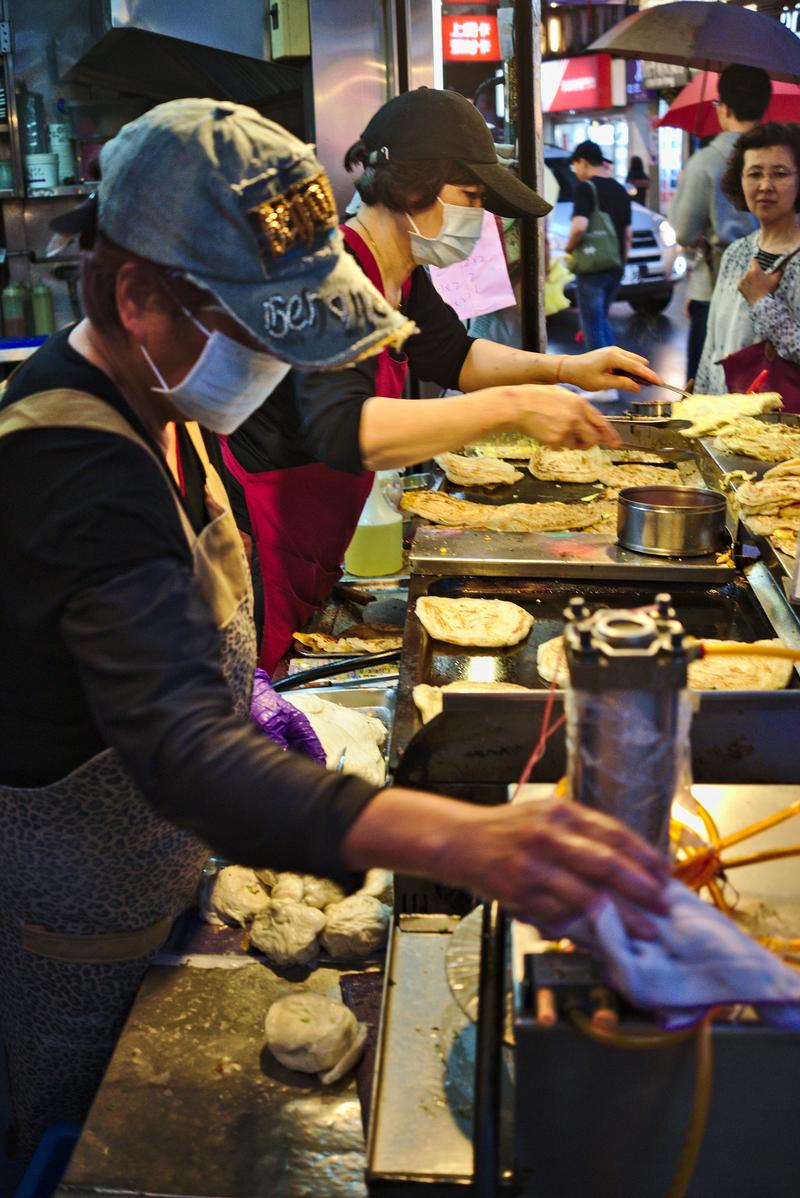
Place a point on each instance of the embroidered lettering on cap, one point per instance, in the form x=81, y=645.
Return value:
x=298, y=214
x=283, y=316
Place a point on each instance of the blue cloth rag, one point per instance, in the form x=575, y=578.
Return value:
x=699, y=959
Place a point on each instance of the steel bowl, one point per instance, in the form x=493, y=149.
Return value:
x=671, y=521
x=652, y=409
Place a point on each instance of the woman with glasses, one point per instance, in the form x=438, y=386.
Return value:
x=757, y=294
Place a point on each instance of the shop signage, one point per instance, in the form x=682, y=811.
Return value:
x=577, y=83
x=470, y=39
x=635, y=86
x=664, y=74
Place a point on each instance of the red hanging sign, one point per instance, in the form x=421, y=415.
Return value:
x=470, y=39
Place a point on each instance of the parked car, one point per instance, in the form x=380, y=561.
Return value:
x=656, y=263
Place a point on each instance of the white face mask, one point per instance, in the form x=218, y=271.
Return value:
x=227, y=383
x=455, y=241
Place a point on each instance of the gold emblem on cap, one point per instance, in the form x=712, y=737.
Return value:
x=295, y=215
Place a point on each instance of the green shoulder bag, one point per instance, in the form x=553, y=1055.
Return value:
x=599, y=249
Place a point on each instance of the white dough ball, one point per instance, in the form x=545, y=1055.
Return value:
x=234, y=896
x=288, y=886
x=288, y=932
x=319, y=892
x=355, y=927
x=314, y=1034
x=380, y=884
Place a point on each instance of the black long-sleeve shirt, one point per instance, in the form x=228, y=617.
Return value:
x=105, y=640
x=315, y=417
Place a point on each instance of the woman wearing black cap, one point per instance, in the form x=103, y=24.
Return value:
x=305, y=459
x=126, y=639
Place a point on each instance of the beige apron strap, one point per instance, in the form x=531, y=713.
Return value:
x=214, y=483
x=220, y=564
x=96, y=948
x=65, y=408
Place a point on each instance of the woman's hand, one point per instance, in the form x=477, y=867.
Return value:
x=755, y=283
x=555, y=416
x=595, y=371
x=549, y=861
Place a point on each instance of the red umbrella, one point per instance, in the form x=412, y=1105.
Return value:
x=693, y=108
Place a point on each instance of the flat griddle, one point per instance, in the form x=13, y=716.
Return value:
x=534, y=490
x=728, y=611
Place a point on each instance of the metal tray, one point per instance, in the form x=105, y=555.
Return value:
x=729, y=611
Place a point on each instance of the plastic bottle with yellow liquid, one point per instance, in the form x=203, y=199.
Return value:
x=377, y=545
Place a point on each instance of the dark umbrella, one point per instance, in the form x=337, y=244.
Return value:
x=708, y=36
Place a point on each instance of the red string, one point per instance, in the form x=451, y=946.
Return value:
x=545, y=734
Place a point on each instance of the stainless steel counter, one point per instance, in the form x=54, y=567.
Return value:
x=194, y=1105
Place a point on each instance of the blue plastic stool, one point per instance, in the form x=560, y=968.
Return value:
x=49, y=1161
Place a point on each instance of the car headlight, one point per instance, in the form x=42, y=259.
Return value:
x=667, y=233
x=679, y=266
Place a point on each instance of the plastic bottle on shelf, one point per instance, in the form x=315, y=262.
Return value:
x=13, y=303
x=377, y=545
x=42, y=302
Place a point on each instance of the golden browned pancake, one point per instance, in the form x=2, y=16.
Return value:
x=770, y=494
x=568, y=465
x=642, y=456
x=765, y=524
x=505, y=517
x=516, y=446
x=735, y=673
x=361, y=638
x=788, y=469
x=428, y=699
x=641, y=476
x=487, y=623
x=551, y=661
x=785, y=541
x=711, y=413
x=605, y=517
x=754, y=438
x=476, y=471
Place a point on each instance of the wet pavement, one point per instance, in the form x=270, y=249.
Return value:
x=661, y=338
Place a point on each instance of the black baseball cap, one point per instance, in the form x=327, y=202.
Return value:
x=428, y=123
x=588, y=151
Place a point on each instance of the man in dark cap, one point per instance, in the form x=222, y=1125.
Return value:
x=700, y=212
x=596, y=289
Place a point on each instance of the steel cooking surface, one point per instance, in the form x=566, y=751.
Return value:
x=726, y=612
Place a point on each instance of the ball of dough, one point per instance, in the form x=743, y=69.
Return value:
x=314, y=1034
x=288, y=932
x=380, y=884
x=235, y=896
x=267, y=877
x=355, y=927
x=288, y=886
x=319, y=892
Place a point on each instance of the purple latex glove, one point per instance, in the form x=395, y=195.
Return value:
x=281, y=721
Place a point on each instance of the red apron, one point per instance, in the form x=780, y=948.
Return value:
x=304, y=517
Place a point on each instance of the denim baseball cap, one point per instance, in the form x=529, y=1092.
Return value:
x=240, y=207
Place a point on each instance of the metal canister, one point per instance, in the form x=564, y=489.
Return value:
x=671, y=521
x=628, y=713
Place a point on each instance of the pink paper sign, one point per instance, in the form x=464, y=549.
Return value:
x=480, y=284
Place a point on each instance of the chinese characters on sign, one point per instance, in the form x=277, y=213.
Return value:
x=470, y=39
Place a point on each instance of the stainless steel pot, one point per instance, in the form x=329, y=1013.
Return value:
x=660, y=409
x=671, y=521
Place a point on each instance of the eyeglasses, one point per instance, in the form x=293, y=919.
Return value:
x=756, y=175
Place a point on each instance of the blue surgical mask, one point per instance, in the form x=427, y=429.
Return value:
x=227, y=383
x=455, y=241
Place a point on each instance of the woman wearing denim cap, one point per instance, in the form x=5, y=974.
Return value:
x=305, y=459
x=125, y=620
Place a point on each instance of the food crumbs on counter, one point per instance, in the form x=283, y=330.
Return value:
x=226, y=1066
x=725, y=558
x=443, y=550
